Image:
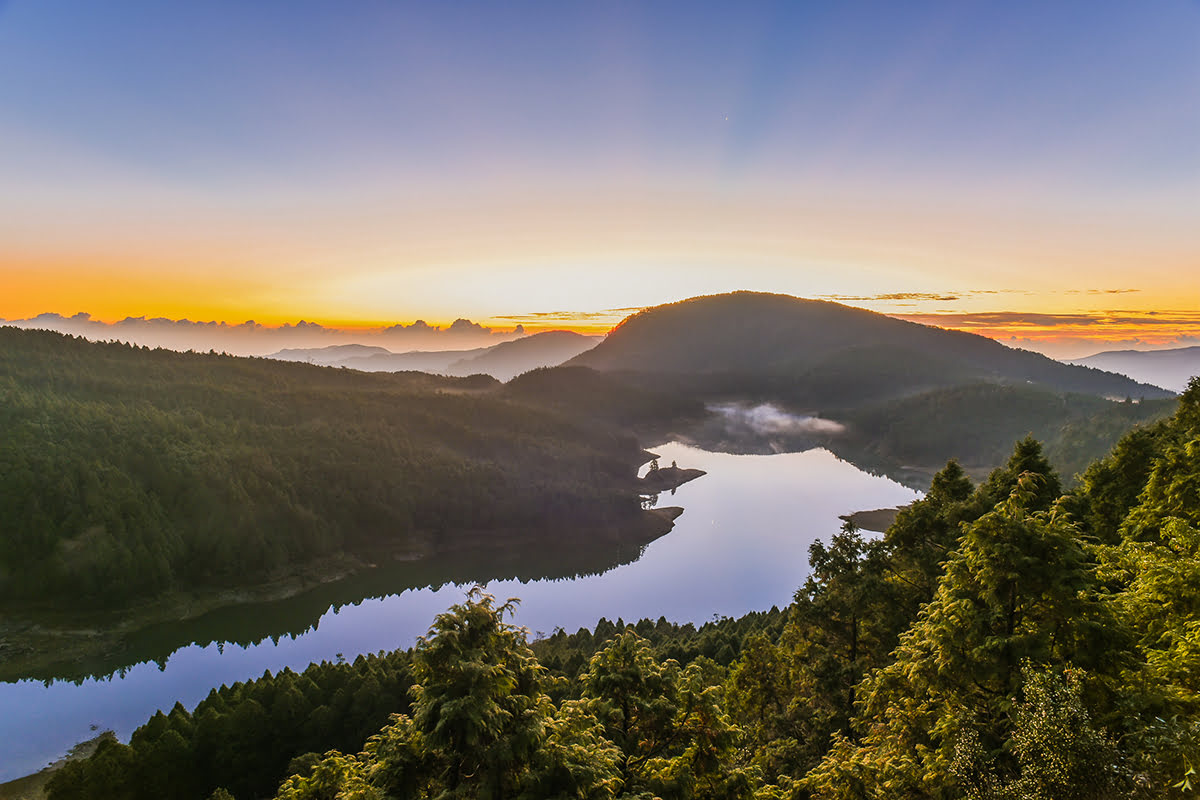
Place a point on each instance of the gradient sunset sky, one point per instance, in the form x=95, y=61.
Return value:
x=1016, y=168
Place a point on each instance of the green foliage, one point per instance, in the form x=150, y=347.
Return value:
x=976, y=424
x=1015, y=590
x=1056, y=751
x=478, y=701
x=127, y=472
x=1002, y=642
x=245, y=738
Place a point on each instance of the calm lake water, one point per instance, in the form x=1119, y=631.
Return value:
x=741, y=545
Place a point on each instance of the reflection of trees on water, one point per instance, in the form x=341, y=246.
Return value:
x=565, y=556
x=551, y=557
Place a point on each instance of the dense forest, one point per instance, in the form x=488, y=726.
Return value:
x=127, y=472
x=1000, y=641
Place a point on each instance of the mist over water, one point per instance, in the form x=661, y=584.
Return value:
x=763, y=429
x=769, y=420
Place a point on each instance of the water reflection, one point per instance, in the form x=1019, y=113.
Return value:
x=741, y=545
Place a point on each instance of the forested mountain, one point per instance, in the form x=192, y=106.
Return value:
x=977, y=423
x=823, y=353
x=126, y=472
x=1001, y=641
x=1170, y=369
x=596, y=395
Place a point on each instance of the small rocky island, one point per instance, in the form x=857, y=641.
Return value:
x=664, y=479
x=877, y=520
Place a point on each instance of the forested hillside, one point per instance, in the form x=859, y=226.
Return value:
x=126, y=472
x=977, y=423
x=1000, y=641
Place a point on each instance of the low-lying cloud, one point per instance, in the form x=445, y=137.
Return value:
x=1074, y=335
x=769, y=420
x=254, y=339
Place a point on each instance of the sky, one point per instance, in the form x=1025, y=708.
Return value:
x=1030, y=171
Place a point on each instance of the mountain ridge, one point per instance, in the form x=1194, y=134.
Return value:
x=1170, y=369
x=502, y=361
x=784, y=338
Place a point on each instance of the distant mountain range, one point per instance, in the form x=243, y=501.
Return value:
x=1170, y=369
x=890, y=394
x=330, y=356
x=823, y=353
x=503, y=361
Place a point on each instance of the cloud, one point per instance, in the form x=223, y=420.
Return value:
x=1077, y=334
x=990, y=319
x=891, y=297
x=582, y=321
x=572, y=316
x=987, y=319
x=253, y=338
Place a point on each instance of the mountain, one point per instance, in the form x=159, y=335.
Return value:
x=330, y=356
x=1170, y=369
x=510, y=359
x=438, y=361
x=823, y=354
x=503, y=361
x=128, y=473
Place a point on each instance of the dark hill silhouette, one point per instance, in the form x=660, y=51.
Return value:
x=820, y=352
x=1170, y=369
x=509, y=359
x=590, y=394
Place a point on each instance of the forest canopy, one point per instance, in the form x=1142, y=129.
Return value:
x=1002, y=640
x=127, y=472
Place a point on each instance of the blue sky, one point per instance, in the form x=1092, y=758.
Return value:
x=378, y=160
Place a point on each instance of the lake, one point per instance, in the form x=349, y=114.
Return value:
x=741, y=545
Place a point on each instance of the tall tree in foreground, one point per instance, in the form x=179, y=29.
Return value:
x=1017, y=590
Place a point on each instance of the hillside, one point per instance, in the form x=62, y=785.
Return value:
x=1170, y=369
x=1000, y=640
x=823, y=353
x=127, y=472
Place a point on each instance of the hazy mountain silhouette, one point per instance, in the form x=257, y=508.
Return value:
x=503, y=361
x=333, y=355
x=819, y=352
x=509, y=359
x=438, y=361
x=255, y=339
x=1169, y=369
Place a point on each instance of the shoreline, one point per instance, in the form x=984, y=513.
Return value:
x=33, y=786
x=876, y=520
x=33, y=641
